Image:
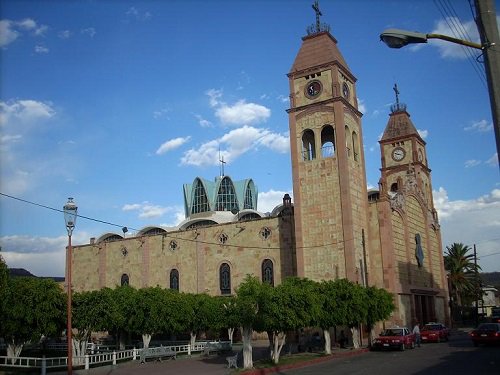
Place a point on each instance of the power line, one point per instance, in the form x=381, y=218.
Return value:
x=59, y=210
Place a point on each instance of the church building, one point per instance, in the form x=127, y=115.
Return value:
x=335, y=228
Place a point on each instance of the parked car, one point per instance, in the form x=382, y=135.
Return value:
x=395, y=338
x=495, y=315
x=486, y=333
x=434, y=332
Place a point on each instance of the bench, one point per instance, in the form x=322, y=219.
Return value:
x=158, y=353
x=220, y=346
x=232, y=361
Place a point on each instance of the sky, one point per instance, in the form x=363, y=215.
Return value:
x=119, y=103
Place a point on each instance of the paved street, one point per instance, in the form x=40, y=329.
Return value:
x=457, y=357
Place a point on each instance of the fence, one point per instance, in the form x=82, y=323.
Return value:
x=96, y=359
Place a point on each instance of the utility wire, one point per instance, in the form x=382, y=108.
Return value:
x=59, y=210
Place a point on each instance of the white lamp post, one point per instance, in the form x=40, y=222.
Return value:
x=70, y=214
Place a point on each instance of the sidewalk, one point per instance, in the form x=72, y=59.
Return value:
x=212, y=365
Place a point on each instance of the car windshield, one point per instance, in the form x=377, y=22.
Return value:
x=432, y=327
x=488, y=327
x=393, y=332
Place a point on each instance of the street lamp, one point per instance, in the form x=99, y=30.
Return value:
x=70, y=209
x=490, y=44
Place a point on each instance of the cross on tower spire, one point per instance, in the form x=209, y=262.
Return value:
x=315, y=6
x=398, y=107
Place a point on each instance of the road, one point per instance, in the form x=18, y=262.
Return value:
x=457, y=357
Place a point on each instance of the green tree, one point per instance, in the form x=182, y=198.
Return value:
x=121, y=320
x=249, y=296
x=292, y=305
x=380, y=307
x=462, y=272
x=330, y=315
x=352, y=307
x=31, y=308
x=230, y=314
x=4, y=274
x=202, y=313
x=92, y=311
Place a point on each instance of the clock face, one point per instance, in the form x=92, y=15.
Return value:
x=313, y=89
x=420, y=155
x=398, y=154
x=345, y=90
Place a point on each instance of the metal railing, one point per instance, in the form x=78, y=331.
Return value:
x=91, y=360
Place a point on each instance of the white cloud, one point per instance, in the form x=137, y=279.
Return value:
x=268, y=200
x=203, y=123
x=172, y=144
x=242, y=113
x=361, y=105
x=41, y=49
x=234, y=144
x=7, y=33
x=147, y=210
x=214, y=96
x=90, y=31
x=475, y=221
x=6, y=138
x=161, y=113
x=423, y=133
x=480, y=126
x=472, y=163
x=27, y=24
x=493, y=161
x=283, y=98
x=64, y=34
x=453, y=50
x=135, y=13
x=25, y=111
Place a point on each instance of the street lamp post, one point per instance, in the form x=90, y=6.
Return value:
x=70, y=209
x=490, y=44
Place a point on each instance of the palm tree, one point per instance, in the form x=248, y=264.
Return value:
x=462, y=271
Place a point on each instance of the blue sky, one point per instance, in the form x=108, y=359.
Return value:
x=119, y=103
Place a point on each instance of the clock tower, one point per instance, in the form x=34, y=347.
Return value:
x=328, y=169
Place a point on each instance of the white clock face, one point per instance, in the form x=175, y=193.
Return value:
x=398, y=154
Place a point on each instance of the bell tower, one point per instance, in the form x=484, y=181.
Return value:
x=328, y=169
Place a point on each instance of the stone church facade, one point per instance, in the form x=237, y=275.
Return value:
x=335, y=228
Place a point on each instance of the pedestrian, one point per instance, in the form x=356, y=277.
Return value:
x=416, y=331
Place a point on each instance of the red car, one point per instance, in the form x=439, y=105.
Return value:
x=486, y=333
x=395, y=338
x=434, y=332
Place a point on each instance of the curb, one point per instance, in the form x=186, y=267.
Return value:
x=270, y=370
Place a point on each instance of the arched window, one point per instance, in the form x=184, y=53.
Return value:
x=327, y=142
x=226, y=196
x=268, y=272
x=348, y=141
x=124, y=280
x=200, y=200
x=308, y=146
x=225, y=278
x=174, y=279
x=355, y=148
x=248, y=198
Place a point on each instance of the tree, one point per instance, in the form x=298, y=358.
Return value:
x=462, y=272
x=30, y=309
x=248, y=299
x=330, y=315
x=92, y=311
x=230, y=313
x=4, y=274
x=353, y=307
x=121, y=320
x=380, y=307
x=292, y=305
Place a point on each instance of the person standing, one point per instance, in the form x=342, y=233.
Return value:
x=416, y=331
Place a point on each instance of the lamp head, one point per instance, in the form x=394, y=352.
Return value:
x=395, y=38
x=70, y=213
